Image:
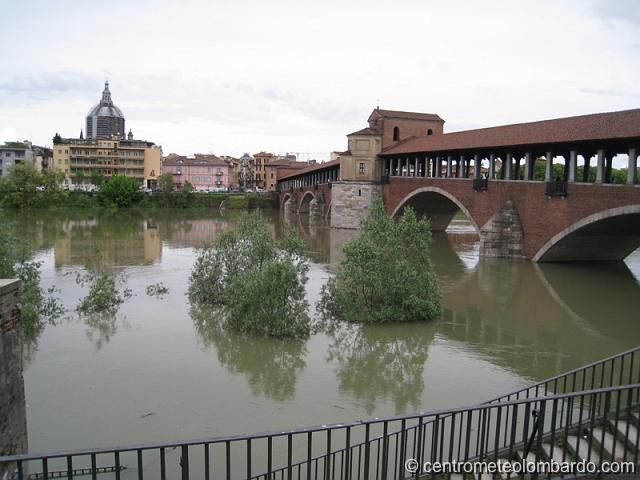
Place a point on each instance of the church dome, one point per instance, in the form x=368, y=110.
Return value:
x=105, y=107
x=105, y=120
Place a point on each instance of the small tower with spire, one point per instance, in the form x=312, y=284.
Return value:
x=130, y=135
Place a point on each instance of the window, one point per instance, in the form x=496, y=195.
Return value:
x=361, y=168
x=396, y=134
x=429, y=132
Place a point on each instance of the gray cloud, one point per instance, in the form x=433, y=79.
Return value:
x=625, y=10
x=51, y=84
x=323, y=110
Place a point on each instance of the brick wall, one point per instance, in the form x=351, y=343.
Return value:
x=298, y=195
x=13, y=419
x=541, y=217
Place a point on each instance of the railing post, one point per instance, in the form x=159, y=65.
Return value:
x=367, y=449
x=184, y=462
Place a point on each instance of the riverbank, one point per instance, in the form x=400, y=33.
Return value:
x=156, y=200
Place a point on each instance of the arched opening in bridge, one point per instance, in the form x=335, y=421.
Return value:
x=304, y=203
x=396, y=134
x=609, y=235
x=439, y=206
x=454, y=230
x=430, y=132
x=285, y=199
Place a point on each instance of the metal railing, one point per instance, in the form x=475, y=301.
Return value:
x=599, y=395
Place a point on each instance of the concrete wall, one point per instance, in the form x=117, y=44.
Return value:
x=13, y=415
x=350, y=202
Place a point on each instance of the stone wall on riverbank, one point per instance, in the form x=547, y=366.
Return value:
x=13, y=415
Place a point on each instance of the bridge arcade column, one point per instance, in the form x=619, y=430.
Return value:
x=608, y=163
x=415, y=168
x=587, y=166
x=449, y=165
x=516, y=172
x=461, y=167
x=600, y=166
x=492, y=166
x=477, y=166
x=548, y=168
x=508, y=161
x=632, y=166
x=573, y=166
x=528, y=166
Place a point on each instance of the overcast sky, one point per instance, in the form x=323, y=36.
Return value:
x=237, y=76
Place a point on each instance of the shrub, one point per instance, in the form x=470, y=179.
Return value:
x=256, y=284
x=104, y=294
x=386, y=275
x=38, y=307
x=120, y=191
x=237, y=201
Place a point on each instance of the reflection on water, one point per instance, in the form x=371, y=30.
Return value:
x=101, y=327
x=504, y=324
x=270, y=365
x=376, y=363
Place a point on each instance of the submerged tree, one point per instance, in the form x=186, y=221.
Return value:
x=386, y=275
x=38, y=307
x=256, y=283
x=107, y=289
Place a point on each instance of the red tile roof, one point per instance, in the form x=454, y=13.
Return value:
x=312, y=168
x=407, y=115
x=366, y=131
x=200, y=159
x=597, y=126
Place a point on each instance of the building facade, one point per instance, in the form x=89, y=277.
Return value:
x=14, y=153
x=79, y=159
x=203, y=172
x=106, y=150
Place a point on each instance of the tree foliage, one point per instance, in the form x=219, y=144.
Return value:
x=120, y=191
x=256, y=283
x=386, y=275
x=187, y=187
x=24, y=185
x=37, y=306
x=97, y=178
x=105, y=288
x=165, y=182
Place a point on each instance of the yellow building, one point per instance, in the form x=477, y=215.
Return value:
x=138, y=159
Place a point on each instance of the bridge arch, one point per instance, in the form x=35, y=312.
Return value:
x=305, y=201
x=285, y=199
x=439, y=205
x=607, y=235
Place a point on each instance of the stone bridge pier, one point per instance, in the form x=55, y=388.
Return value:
x=13, y=415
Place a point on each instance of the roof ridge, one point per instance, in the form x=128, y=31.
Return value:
x=400, y=142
